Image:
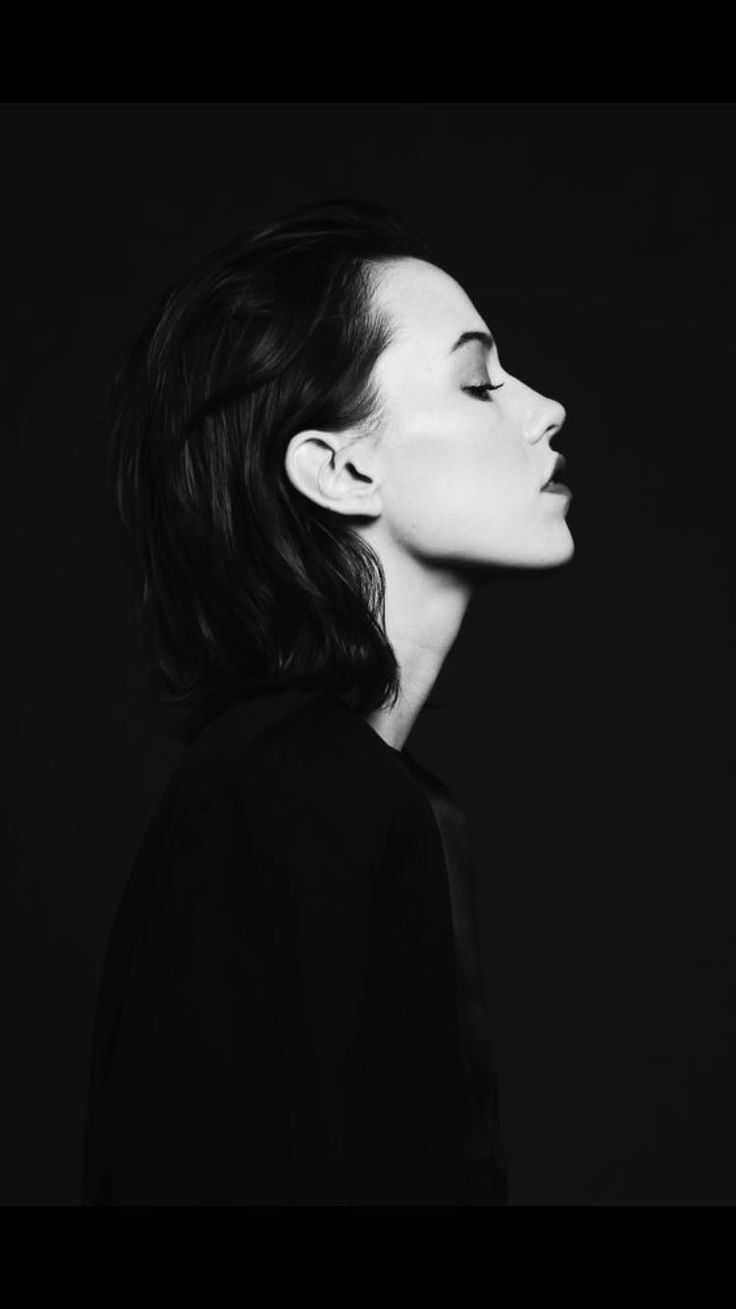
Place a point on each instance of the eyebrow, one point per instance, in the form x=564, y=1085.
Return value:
x=484, y=337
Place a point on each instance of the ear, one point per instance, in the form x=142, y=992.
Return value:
x=337, y=470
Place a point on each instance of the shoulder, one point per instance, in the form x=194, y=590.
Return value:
x=324, y=771
x=318, y=774
x=322, y=755
x=323, y=808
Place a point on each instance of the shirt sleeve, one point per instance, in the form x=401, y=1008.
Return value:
x=249, y=982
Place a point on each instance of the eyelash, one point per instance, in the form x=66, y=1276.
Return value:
x=483, y=388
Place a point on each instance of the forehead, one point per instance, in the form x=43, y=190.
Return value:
x=426, y=306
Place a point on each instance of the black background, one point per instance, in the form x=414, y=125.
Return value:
x=584, y=715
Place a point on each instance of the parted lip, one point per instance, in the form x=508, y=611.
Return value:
x=557, y=467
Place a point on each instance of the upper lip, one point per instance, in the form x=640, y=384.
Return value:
x=558, y=465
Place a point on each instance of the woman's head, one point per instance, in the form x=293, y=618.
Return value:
x=295, y=417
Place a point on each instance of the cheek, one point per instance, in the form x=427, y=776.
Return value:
x=441, y=483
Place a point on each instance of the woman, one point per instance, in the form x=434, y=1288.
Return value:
x=317, y=456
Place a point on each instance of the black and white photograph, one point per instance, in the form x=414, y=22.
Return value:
x=371, y=659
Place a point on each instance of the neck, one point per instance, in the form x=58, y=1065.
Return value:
x=423, y=615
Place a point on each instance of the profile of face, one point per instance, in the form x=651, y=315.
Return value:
x=454, y=474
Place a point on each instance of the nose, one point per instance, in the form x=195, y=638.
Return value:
x=545, y=419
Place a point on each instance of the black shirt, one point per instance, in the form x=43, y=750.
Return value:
x=290, y=1008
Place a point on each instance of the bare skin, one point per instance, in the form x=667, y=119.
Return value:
x=448, y=485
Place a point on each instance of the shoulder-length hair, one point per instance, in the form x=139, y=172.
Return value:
x=242, y=583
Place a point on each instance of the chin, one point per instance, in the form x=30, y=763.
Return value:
x=559, y=553
x=555, y=550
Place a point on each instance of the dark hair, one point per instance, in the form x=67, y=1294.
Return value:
x=242, y=583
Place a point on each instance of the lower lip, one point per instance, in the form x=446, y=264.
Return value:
x=558, y=488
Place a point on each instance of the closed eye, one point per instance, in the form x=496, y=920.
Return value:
x=483, y=389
